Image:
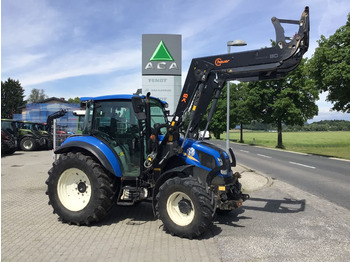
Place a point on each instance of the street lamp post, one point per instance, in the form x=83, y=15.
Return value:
x=229, y=44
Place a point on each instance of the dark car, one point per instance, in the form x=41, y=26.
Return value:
x=8, y=143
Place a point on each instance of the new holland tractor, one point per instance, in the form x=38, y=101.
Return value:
x=129, y=152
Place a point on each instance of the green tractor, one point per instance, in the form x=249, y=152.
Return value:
x=29, y=138
x=42, y=129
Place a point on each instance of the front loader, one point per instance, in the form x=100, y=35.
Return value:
x=129, y=152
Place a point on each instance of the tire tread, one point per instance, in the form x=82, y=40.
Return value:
x=205, y=202
x=103, y=200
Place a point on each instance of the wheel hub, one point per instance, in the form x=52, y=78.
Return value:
x=74, y=189
x=185, y=206
x=180, y=208
x=82, y=187
x=27, y=144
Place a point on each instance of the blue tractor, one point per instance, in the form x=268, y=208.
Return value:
x=129, y=151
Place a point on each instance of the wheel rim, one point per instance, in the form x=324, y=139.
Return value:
x=180, y=208
x=28, y=144
x=74, y=189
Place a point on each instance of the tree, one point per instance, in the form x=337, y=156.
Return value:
x=37, y=95
x=218, y=123
x=291, y=100
x=74, y=100
x=12, y=95
x=240, y=110
x=330, y=67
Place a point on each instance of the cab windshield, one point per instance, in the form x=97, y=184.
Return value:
x=157, y=114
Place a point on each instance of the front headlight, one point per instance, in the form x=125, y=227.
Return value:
x=220, y=161
x=223, y=172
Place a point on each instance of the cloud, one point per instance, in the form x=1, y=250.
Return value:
x=74, y=47
x=333, y=15
x=194, y=25
x=18, y=61
x=123, y=84
x=43, y=46
x=28, y=24
x=43, y=42
x=330, y=115
x=84, y=62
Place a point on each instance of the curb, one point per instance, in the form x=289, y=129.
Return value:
x=253, y=180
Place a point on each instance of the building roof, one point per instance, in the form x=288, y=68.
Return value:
x=47, y=100
x=54, y=99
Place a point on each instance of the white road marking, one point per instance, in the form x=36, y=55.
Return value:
x=244, y=151
x=298, y=164
x=264, y=156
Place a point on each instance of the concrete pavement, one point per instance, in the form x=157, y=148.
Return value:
x=279, y=223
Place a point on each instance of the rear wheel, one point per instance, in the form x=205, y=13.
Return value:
x=79, y=190
x=184, y=207
x=28, y=144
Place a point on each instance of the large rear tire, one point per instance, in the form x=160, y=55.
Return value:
x=184, y=207
x=79, y=190
x=28, y=144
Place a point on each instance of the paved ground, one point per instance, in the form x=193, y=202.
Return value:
x=279, y=223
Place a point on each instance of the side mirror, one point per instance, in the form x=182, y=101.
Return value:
x=233, y=158
x=138, y=106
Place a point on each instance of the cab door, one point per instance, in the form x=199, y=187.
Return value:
x=116, y=125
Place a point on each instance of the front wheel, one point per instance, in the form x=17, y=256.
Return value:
x=79, y=190
x=184, y=207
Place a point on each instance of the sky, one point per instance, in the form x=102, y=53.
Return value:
x=91, y=48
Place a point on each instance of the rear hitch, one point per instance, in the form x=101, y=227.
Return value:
x=230, y=199
x=230, y=204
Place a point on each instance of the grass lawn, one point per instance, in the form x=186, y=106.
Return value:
x=335, y=144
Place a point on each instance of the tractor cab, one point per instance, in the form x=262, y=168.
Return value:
x=112, y=120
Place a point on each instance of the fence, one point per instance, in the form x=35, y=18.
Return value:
x=63, y=127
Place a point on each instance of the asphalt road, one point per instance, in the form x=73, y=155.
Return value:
x=322, y=176
x=279, y=223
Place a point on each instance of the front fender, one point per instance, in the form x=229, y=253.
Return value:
x=93, y=145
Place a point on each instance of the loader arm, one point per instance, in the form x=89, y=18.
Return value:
x=50, y=118
x=208, y=75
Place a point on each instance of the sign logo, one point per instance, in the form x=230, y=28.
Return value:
x=184, y=98
x=219, y=61
x=161, y=53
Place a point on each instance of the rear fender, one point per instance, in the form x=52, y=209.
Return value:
x=26, y=132
x=101, y=151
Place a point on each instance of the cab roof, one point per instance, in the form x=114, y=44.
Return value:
x=107, y=97
x=114, y=97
